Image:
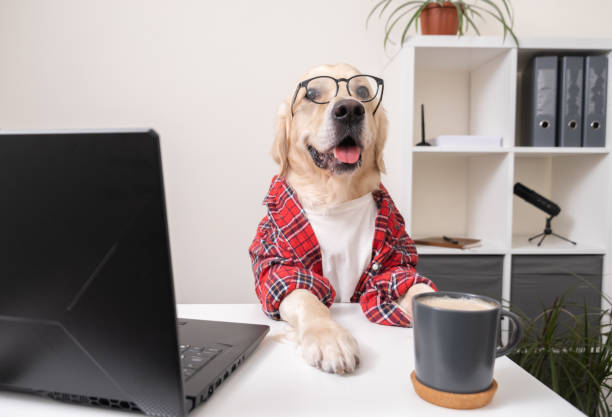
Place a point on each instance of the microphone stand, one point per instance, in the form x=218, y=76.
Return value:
x=548, y=231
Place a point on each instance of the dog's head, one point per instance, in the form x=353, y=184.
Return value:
x=332, y=123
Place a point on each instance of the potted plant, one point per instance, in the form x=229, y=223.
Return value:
x=441, y=17
x=570, y=353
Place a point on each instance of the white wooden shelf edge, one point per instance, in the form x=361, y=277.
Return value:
x=520, y=246
x=559, y=150
x=552, y=246
x=459, y=41
x=519, y=150
x=480, y=250
x=565, y=43
x=460, y=150
x=498, y=42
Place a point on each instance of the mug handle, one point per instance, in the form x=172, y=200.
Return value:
x=515, y=336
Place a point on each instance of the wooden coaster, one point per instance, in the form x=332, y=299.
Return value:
x=452, y=400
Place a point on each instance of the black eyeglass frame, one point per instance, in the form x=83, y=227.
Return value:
x=380, y=85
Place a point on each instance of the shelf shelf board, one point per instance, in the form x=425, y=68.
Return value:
x=518, y=150
x=551, y=246
x=482, y=150
x=465, y=57
x=528, y=150
x=525, y=43
x=563, y=43
x=454, y=41
x=485, y=249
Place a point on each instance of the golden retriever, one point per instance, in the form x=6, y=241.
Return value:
x=330, y=153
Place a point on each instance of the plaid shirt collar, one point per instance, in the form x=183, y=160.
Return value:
x=288, y=214
x=280, y=192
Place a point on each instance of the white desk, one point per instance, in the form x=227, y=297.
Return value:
x=274, y=381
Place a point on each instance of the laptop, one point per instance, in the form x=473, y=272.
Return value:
x=87, y=308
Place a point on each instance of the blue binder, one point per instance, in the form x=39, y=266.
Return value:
x=595, y=92
x=569, y=109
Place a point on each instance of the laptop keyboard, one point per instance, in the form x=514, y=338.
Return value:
x=194, y=358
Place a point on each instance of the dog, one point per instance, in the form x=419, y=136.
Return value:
x=329, y=140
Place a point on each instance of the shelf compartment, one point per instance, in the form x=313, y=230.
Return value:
x=535, y=48
x=576, y=184
x=461, y=195
x=465, y=90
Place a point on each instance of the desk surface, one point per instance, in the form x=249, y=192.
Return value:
x=274, y=381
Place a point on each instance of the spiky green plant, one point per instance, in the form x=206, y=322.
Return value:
x=409, y=12
x=573, y=358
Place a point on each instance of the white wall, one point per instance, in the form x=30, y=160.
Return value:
x=208, y=76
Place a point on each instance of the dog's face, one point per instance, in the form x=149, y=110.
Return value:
x=338, y=134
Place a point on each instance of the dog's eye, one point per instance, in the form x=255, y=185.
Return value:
x=363, y=92
x=312, y=94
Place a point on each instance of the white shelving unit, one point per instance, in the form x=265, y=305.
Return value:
x=471, y=85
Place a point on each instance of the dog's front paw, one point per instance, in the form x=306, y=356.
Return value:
x=329, y=347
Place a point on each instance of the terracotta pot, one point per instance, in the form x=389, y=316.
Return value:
x=439, y=20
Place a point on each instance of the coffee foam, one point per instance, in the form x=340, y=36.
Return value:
x=453, y=303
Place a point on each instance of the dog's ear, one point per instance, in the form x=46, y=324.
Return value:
x=381, y=138
x=280, y=147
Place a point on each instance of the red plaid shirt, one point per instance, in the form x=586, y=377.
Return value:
x=286, y=256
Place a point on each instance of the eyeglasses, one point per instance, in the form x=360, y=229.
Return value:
x=323, y=89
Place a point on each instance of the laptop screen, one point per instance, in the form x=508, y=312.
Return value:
x=86, y=298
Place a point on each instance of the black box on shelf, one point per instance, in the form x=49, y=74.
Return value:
x=537, y=280
x=475, y=274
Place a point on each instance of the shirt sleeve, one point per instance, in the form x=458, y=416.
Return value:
x=278, y=273
x=395, y=276
x=378, y=300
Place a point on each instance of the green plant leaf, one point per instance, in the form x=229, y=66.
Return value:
x=415, y=16
x=605, y=407
x=397, y=9
x=475, y=12
x=470, y=22
x=506, y=28
x=553, y=373
x=570, y=380
x=578, y=364
x=497, y=9
x=390, y=29
x=586, y=370
x=380, y=3
x=459, y=17
x=509, y=11
x=590, y=285
x=383, y=9
x=406, y=12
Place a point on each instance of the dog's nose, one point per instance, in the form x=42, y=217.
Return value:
x=348, y=111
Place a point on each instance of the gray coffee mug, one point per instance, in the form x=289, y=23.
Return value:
x=455, y=350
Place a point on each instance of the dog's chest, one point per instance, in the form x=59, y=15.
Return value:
x=345, y=234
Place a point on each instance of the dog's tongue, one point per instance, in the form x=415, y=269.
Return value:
x=348, y=155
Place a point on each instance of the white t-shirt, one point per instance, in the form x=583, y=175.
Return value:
x=345, y=233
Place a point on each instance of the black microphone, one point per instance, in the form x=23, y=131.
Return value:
x=536, y=199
